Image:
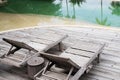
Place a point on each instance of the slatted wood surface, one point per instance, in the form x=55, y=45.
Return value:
x=87, y=46
x=85, y=52
x=79, y=52
x=46, y=41
x=108, y=69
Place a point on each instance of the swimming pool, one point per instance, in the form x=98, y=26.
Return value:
x=103, y=12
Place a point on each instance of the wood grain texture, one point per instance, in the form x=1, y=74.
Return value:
x=108, y=69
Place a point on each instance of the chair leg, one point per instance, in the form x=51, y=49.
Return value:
x=78, y=74
x=60, y=46
x=71, y=70
x=98, y=58
x=12, y=51
x=45, y=68
x=89, y=68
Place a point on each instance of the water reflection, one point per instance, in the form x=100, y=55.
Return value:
x=115, y=7
x=77, y=2
x=68, y=15
x=46, y=7
x=94, y=11
x=74, y=3
x=102, y=20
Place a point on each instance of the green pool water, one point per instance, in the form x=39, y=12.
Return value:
x=103, y=12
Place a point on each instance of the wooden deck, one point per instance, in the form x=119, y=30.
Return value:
x=108, y=69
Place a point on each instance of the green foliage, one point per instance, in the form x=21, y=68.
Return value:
x=46, y=7
x=115, y=7
x=103, y=22
x=78, y=2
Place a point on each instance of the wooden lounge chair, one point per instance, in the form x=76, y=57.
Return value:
x=54, y=59
x=16, y=58
x=78, y=57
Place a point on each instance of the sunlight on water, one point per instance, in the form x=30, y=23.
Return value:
x=13, y=21
x=27, y=13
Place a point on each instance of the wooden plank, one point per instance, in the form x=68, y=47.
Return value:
x=17, y=39
x=62, y=61
x=9, y=75
x=110, y=59
x=47, y=35
x=57, y=76
x=90, y=76
x=2, y=52
x=14, y=59
x=51, y=37
x=87, y=46
x=79, y=52
x=37, y=46
x=90, y=34
x=17, y=56
x=10, y=61
x=42, y=41
x=79, y=60
x=108, y=68
x=84, y=67
x=36, y=31
x=19, y=45
x=1, y=78
x=111, y=52
x=105, y=73
x=78, y=73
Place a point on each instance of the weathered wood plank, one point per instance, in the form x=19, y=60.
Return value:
x=109, y=58
x=87, y=46
x=79, y=60
x=105, y=73
x=1, y=78
x=79, y=52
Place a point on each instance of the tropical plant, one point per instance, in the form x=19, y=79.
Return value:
x=46, y=7
x=115, y=7
x=102, y=20
x=78, y=2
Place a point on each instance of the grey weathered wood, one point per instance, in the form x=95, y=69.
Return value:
x=51, y=38
x=83, y=62
x=78, y=73
x=79, y=60
x=1, y=78
x=87, y=46
x=19, y=44
x=109, y=60
x=59, y=60
x=79, y=52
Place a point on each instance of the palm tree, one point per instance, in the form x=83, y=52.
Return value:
x=74, y=12
x=78, y=2
x=68, y=16
x=102, y=20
